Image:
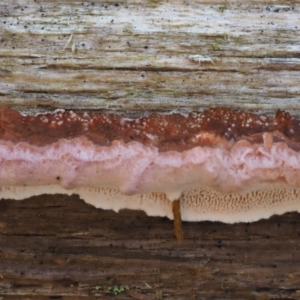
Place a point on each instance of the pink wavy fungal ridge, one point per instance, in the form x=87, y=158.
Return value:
x=223, y=165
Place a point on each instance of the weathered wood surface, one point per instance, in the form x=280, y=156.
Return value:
x=58, y=247
x=132, y=57
x=148, y=55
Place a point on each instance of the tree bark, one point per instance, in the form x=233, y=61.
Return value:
x=58, y=246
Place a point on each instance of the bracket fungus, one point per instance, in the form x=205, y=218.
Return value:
x=221, y=164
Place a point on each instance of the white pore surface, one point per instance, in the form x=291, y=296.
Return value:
x=196, y=205
x=243, y=183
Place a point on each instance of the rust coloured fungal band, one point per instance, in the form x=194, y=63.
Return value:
x=223, y=165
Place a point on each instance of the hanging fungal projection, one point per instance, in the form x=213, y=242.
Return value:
x=219, y=164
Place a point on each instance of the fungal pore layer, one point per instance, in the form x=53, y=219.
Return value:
x=222, y=165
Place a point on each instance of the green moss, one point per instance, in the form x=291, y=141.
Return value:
x=116, y=290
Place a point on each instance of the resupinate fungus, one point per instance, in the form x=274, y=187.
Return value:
x=220, y=164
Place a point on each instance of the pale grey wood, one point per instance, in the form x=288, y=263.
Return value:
x=150, y=55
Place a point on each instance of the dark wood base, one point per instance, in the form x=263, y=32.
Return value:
x=58, y=247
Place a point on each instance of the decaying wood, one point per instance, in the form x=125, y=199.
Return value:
x=59, y=246
x=150, y=55
x=134, y=57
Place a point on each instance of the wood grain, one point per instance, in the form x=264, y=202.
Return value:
x=58, y=246
x=139, y=56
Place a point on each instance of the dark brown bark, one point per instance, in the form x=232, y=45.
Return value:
x=58, y=247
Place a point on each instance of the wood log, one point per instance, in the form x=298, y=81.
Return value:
x=58, y=247
x=150, y=56
x=136, y=57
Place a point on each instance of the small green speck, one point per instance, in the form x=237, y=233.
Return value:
x=116, y=290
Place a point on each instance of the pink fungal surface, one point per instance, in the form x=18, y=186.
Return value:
x=222, y=164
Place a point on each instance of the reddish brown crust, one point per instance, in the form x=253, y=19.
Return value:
x=167, y=132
